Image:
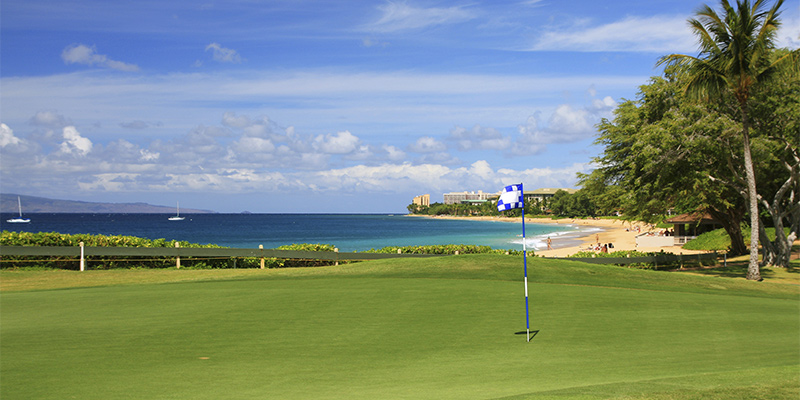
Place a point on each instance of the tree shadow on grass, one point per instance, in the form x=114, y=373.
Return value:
x=738, y=269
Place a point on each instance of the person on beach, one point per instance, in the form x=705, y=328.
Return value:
x=549, y=243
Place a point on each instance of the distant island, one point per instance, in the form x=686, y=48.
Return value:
x=33, y=205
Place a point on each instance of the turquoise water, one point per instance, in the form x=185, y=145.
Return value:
x=348, y=232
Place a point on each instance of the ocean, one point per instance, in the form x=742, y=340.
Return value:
x=348, y=232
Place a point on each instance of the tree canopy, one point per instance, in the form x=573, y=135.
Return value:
x=735, y=60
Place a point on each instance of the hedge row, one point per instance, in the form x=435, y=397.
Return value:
x=635, y=253
x=99, y=262
x=445, y=249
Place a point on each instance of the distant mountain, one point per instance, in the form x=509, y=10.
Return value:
x=32, y=205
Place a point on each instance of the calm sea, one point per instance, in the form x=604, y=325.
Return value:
x=348, y=232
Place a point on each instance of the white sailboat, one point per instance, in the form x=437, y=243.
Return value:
x=19, y=220
x=178, y=216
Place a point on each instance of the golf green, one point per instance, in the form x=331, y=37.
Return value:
x=387, y=332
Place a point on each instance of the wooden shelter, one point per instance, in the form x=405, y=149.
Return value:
x=689, y=226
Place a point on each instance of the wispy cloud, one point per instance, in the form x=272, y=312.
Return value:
x=656, y=34
x=87, y=55
x=397, y=16
x=223, y=54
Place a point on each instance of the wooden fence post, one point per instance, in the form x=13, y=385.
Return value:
x=83, y=259
x=178, y=258
x=261, y=247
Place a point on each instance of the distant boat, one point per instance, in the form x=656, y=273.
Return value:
x=178, y=216
x=19, y=220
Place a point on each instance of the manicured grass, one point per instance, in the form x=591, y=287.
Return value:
x=441, y=328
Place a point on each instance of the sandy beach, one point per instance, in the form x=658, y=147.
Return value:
x=622, y=234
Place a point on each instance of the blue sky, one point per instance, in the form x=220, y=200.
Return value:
x=318, y=106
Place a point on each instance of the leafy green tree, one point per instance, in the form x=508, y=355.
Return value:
x=776, y=143
x=734, y=60
x=660, y=151
x=574, y=205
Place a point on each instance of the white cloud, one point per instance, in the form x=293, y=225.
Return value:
x=254, y=145
x=85, y=55
x=478, y=138
x=427, y=144
x=607, y=104
x=148, y=156
x=314, y=99
x=74, y=143
x=7, y=136
x=234, y=121
x=566, y=124
x=48, y=119
x=398, y=178
x=223, y=54
x=398, y=16
x=570, y=124
x=394, y=154
x=339, y=143
x=789, y=33
x=657, y=34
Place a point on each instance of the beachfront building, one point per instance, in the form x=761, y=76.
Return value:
x=690, y=226
x=422, y=200
x=468, y=197
x=545, y=193
x=481, y=196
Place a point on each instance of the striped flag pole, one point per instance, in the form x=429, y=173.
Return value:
x=525, y=267
x=513, y=196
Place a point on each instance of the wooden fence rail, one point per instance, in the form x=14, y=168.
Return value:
x=178, y=252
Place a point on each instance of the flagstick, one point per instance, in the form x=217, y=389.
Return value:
x=525, y=266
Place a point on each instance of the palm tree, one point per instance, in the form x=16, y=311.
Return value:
x=734, y=58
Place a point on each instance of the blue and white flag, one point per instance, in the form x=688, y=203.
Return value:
x=511, y=197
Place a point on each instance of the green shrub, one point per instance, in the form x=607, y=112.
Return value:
x=445, y=249
x=661, y=264
x=716, y=240
x=95, y=262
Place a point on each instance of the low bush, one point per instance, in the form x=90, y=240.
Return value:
x=664, y=260
x=718, y=240
x=445, y=249
x=96, y=262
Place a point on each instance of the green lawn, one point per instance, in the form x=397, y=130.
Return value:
x=441, y=328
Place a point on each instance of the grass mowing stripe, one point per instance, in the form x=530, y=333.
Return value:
x=756, y=383
x=365, y=336
x=482, y=267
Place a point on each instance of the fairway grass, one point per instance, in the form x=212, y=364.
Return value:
x=441, y=328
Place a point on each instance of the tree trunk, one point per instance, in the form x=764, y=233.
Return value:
x=778, y=252
x=769, y=249
x=731, y=220
x=753, y=271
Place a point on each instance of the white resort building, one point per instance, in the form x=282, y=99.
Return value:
x=468, y=197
